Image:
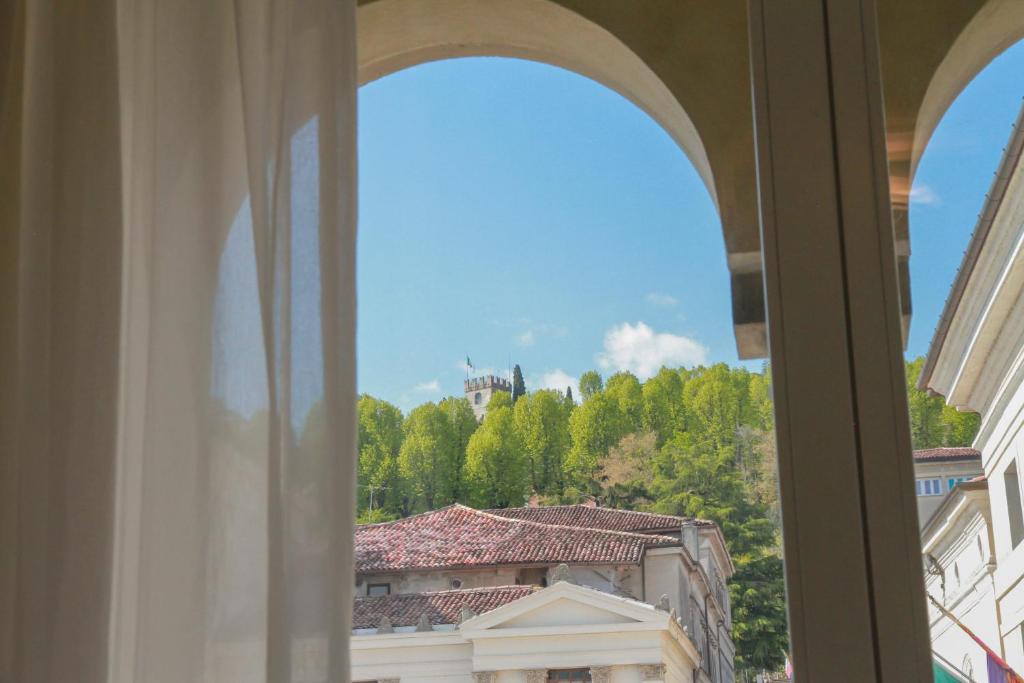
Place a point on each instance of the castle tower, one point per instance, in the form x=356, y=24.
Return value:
x=480, y=389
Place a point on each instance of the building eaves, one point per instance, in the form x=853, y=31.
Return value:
x=993, y=201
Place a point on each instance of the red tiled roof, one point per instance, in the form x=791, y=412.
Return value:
x=459, y=537
x=946, y=454
x=443, y=607
x=590, y=517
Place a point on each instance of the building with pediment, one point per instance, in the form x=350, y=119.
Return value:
x=563, y=593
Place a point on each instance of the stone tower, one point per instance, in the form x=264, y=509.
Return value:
x=480, y=389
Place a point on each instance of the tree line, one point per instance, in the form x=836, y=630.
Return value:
x=691, y=442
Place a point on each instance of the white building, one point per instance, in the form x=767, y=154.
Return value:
x=565, y=593
x=959, y=562
x=977, y=362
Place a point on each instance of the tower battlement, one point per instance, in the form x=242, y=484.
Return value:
x=487, y=382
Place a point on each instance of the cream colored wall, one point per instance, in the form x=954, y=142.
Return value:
x=414, y=658
x=927, y=505
x=666, y=575
x=449, y=658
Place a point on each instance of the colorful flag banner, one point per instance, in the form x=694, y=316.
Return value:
x=998, y=670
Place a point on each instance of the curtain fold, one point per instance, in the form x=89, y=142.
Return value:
x=177, y=472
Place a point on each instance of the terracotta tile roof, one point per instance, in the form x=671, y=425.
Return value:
x=599, y=518
x=460, y=537
x=947, y=454
x=443, y=607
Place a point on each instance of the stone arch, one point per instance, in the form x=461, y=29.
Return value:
x=997, y=26
x=398, y=34
x=686, y=66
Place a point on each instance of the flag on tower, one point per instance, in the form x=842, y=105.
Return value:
x=469, y=363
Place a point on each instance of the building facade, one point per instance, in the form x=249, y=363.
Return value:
x=937, y=471
x=959, y=553
x=976, y=362
x=565, y=593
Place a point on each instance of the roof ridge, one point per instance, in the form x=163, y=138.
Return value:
x=406, y=519
x=603, y=509
x=589, y=507
x=516, y=520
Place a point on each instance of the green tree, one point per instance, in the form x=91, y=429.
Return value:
x=380, y=441
x=714, y=405
x=496, y=465
x=463, y=424
x=663, y=411
x=595, y=426
x=590, y=384
x=625, y=389
x=499, y=399
x=932, y=422
x=757, y=594
x=427, y=460
x=542, y=426
x=568, y=395
x=696, y=480
x=518, y=385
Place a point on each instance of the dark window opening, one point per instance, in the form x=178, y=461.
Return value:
x=1013, y=507
x=375, y=589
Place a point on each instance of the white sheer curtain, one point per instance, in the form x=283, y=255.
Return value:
x=177, y=197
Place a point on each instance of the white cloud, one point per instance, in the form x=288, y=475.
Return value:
x=923, y=195
x=642, y=351
x=660, y=299
x=554, y=379
x=431, y=387
x=526, y=338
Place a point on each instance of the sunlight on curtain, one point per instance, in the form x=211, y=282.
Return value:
x=191, y=359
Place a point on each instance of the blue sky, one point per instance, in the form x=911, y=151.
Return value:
x=514, y=211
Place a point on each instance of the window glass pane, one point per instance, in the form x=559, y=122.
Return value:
x=956, y=207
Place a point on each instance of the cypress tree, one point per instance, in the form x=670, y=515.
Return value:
x=518, y=385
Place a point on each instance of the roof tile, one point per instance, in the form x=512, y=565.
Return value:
x=442, y=607
x=946, y=454
x=460, y=537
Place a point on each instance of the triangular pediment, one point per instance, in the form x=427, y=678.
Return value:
x=565, y=604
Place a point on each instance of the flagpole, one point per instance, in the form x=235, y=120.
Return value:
x=989, y=651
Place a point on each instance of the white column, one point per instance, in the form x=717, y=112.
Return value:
x=856, y=601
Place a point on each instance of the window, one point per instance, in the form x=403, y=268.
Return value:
x=956, y=480
x=569, y=676
x=476, y=398
x=929, y=487
x=455, y=583
x=375, y=589
x=1013, y=508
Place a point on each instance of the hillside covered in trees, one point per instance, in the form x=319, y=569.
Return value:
x=691, y=442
